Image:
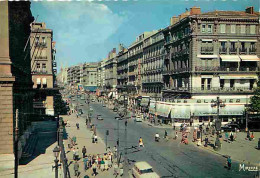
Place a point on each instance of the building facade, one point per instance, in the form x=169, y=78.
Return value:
x=42, y=62
x=111, y=71
x=90, y=76
x=122, y=69
x=212, y=54
x=15, y=75
x=153, y=64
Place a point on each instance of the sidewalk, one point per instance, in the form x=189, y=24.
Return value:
x=240, y=150
x=84, y=138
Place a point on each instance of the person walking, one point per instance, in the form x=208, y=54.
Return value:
x=229, y=163
x=206, y=141
x=231, y=136
x=77, y=125
x=94, y=169
x=226, y=136
x=77, y=154
x=84, y=151
x=141, y=144
x=74, y=139
x=76, y=168
x=85, y=161
x=74, y=153
x=96, y=139
x=166, y=135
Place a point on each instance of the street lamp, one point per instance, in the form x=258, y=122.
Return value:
x=218, y=103
x=56, y=152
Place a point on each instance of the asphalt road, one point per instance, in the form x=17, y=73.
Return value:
x=168, y=158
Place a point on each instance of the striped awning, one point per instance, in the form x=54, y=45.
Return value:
x=163, y=109
x=180, y=112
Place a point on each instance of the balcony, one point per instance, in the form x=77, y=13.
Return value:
x=222, y=50
x=211, y=90
x=39, y=72
x=252, y=50
x=226, y=69
x=206, y=50
x=39, y=104
x=41, y=44
x=232, y=50
x=242, y=50
x=40, y=57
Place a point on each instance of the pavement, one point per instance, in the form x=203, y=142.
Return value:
x=42, y=160
x=84, y=138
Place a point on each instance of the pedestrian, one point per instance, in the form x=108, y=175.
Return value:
x=226, y=136
x=99, y=161
x=165, y=135
x=93, y=138
x=176, y=135
x=74, y=153
x=229, y=162
x=102, y=165
x=248, y=135
x=77, y=115
x=76, y=168
x=96, y=139
x=94, y=169
x=84, y=151
x=77, y=125
x=231, y=137
x=206, y=141
x=85, y=160
x=141, y=144
x=74, y=139
x=77, y=154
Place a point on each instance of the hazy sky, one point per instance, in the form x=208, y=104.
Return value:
x=86, y=31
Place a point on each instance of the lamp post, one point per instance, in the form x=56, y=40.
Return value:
x=219, y=104
x=56, y=152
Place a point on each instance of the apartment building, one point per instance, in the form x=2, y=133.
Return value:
x=111, y=71
x=122, y=69
x=210, y=55
x=42, y=66
x=90, y=76
x=153, y=64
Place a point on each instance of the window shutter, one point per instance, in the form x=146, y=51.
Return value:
x=243, y=29
x=222, y=28
x=252, y=29
x=233, y=28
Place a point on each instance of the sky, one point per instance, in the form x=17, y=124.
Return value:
x=85, y=31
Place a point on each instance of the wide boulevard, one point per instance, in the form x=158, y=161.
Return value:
x=168, y=158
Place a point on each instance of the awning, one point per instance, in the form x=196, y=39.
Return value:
x=207, y=56
x=152, y=107
x=245, y=40
x=180, y=112
x=204, y=110
x=235, y=109
x=237, y=77
x=90, y=88
x=38, y=81
x=44, y=81
x=249, y=58
x=163, y=109
x=206, y=39
x=230, y=58
x=145, y=102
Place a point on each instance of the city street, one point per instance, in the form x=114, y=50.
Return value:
x=168, y=158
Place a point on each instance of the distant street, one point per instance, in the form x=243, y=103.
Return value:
x=168, y=158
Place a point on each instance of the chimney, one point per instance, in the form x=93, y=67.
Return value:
x=250, y=10
x=174, y=20
x=195, y=11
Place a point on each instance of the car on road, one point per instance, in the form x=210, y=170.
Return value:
x=93, y=100
x=230, y=127
x=137, y=119
x=99, y=117
x=143, y=170
x=103, y=105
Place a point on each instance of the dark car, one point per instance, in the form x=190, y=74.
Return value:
x=230, y=127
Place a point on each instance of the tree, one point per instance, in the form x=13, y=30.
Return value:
x=255, y=100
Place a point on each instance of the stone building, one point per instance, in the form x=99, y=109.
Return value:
x=42, y=67
x=153, y=64
x=90, y=76
x=122, y=69
x=73, y=75
x=111, y=71
x=15, y=75
x=212, y=54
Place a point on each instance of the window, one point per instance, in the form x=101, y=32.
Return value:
x=222, y=28
x=233, y=28
x=43, y=41
x=203, y=80
x=243, y=29
x=252, y=29
x=44, y=67
x=38, y=67
x=203, y=28
x=37, y=40
x=209, y=28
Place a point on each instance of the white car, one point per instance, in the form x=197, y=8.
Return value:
x=137, y=119
x=143, y=170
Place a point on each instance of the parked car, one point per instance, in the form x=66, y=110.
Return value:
x=143, y=170
x=137, y=119
x=230, y=127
